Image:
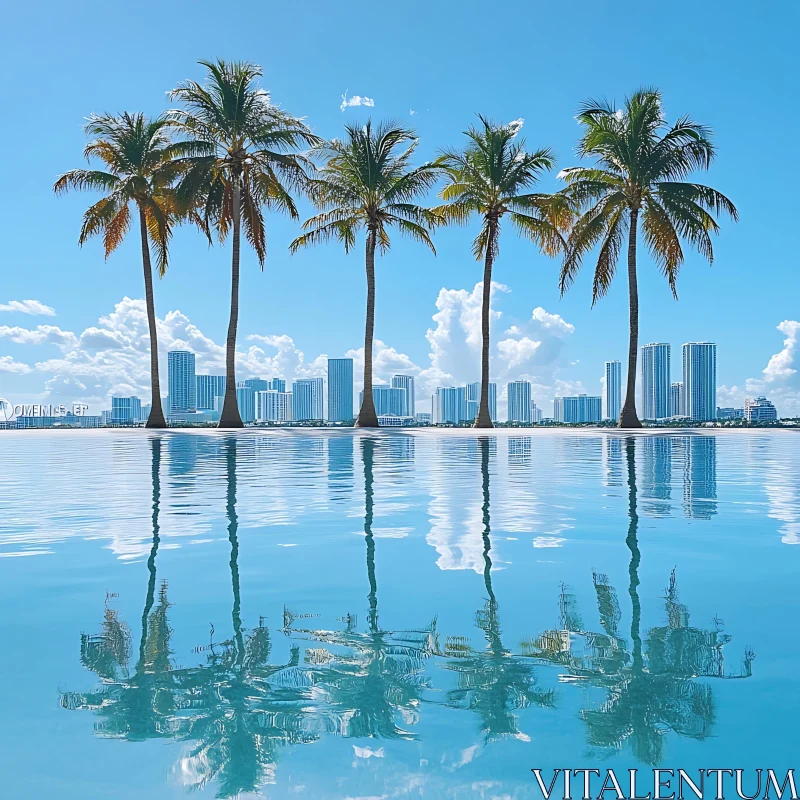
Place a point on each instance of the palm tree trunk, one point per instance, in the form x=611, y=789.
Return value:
x=484, y=419
x=156, y=417
x=633, y=545
x=155, y=475
x=230, y=417
x=628, y=417
x=367, y=418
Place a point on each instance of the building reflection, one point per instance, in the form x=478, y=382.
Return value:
x=241, y=705
x=698, y=454
x=651, y=686
x=656, y=475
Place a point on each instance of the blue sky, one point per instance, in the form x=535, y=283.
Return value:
x=730, y=70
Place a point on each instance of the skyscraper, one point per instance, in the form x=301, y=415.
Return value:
x=126, y=410
x=181, y=381
x=613, y=393
x=246, y=400
x=655, y=380
x=406, y=382
x=273, y=406
x=277, y=385
x=257, y=384
x=450, y=404
x=519, y=401
x=700, y=380
x=307, y=399
x=580, y=408
x=340, y=389
x=474, y=399
x=676, y=399
x=388, y=400
x=207, y=388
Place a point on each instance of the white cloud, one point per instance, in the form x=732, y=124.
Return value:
x=355, y=100
x=42, y=334
x=33, y=307
x=8, y=364
x=779, y=380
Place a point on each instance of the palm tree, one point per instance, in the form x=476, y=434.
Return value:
x=246, y=161
x=641, y=167
x=489, y=177
x=140, y=158
x=367, y=182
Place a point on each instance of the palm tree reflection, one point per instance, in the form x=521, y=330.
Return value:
x=651, y=688
x=372, y=680
x=491, y=682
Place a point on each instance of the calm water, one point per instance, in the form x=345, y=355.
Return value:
x=431, y=614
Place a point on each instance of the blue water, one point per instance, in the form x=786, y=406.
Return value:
x=335, y=614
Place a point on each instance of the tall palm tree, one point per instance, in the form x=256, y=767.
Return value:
x=489, y=178
x=642, y=164
x=368, y=182
x=140, y=160
x=247, y=161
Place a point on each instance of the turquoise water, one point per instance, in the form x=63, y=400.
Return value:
x=354, y=615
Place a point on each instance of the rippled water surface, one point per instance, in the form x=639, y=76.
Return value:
x=429, y=614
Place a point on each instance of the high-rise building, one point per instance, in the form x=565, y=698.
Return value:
x=126, y=410
x=759, y=410
x=273, y=406
x=182, y=381
x=579, y=408
x=655, y=380
x=307, y=400
x=340, y=389
x=474, y=400
x=536, y=414
x=406, y=383
x=613, y=393
x=676, y=399
x=246, y=400
x=208, y=388
x=450, y=405
x=700, y=380
x=277, y=385
x=520, y=403
x=388, y=400
x=257, y=384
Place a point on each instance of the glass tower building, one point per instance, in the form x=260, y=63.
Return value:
x=474, y=399
x=580, y=408
x=307, y=399
x=406, y=383
x=182, y=382
x=126, y=410
x=613, y=393
x=700, y=380
x=273, y=406
x=450, y=404
x=207, y=388
x=340, y=389
x=676, y=399
x=519, y=401
x=246, y=400
x=655, y=380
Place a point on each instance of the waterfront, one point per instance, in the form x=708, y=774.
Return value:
x=335, y=613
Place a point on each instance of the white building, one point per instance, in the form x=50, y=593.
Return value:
x=655, y=380
x=700, y=380
x=474, y=400
x=520, y=403
x=406, y=383
x=273, y=406
x=759, y=410
x=613, y=392
x=676, y=399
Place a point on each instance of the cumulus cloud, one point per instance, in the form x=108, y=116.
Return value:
x=42, y=334
x=8, y=364
x=356, y=100
x=779, y=380
x=112, y=356
x=33, y=307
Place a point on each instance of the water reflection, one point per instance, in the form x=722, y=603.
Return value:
x=241, y=705
x=651, y=690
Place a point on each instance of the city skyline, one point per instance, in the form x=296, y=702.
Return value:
x=97, y=350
